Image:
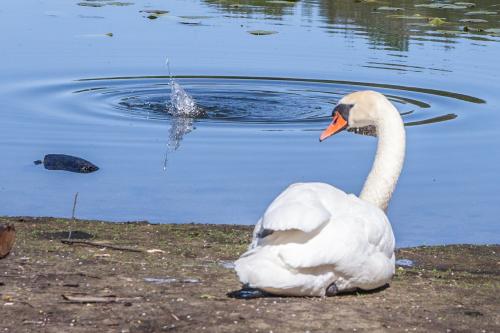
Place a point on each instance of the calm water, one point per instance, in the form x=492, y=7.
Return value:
x=67, y=86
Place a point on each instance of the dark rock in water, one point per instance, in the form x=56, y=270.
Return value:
x=67, y=163
x=7, y=238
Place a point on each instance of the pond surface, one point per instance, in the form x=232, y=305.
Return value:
x=88, y=78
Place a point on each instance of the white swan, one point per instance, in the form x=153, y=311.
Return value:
x=316, y=240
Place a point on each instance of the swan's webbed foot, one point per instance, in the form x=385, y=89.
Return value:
x=248, y=293
x=332, y=290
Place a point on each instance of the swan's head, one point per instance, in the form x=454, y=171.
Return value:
x=356, y=110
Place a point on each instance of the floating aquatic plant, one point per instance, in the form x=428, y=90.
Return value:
x=190, y=22
x=90, y=4
x=437, y=21
x=472, y=20
x=466, y=4
x=481, y=12
x=262, y=32
x=449, y=32
x=410, y=17
x=194, y=17
x=389, y=9
x=493, y=31
x=103, y=3
x=281, y=2
x=154, y=11
x=119, y=3
x=440, y=5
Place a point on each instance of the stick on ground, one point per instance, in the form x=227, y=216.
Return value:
x=73, y=214
x=112, y=247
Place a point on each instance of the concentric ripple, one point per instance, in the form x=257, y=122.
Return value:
x=259, y=100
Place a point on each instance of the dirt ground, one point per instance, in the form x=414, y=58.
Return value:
x=49, y=286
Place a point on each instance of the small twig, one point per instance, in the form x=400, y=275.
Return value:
x=97, y=299
x=73, y=214
x=34, y=322
x=28, y=304
x=14, y=276
x=74, y=206
x=56, y=274
x=112, y=247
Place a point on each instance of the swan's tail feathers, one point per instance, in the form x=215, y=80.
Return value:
x=262, y=269
x=377, y=272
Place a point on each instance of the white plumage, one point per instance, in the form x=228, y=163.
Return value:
x=314, y=235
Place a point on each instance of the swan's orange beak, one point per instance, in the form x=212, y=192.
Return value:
x=338, y=124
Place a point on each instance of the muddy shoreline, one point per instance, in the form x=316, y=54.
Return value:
x=176, y=278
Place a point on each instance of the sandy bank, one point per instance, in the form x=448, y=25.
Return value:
x=49, y=286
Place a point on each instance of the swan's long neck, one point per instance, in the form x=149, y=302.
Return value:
x=389, y=158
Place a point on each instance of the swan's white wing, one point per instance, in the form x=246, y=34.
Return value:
x=346, y=242
x=302, y=207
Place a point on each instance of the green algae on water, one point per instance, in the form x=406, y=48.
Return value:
x=466, y=4
x=281, y=2
x=102, y=3
x=440, y=6
x=190, y=22
x=409, y=17
x=194, y=17
x=389, y=9
x=262, y=32
x=449, y=32
x=493, y=31
x=156, y=12
x=437, y=21
x=119, y=3
x=90, y=4
x=472, y=20
x=481, y=12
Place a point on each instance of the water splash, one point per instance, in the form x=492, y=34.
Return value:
x=182, y=104
x=183, y=110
